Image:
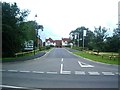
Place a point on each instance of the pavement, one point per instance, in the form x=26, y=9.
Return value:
x=59, y=68
x=40, y=54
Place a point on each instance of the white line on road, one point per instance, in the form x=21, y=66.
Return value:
x=62, y=60
x=117, y=73
x=61, y=68
x=108, y=73
x=66, y=72
x=24, y=71
x=79, y=72
x=84, y=64
x=16, y=87
x=2, y=70
x=6, y=86
x=94, y=73
x=37, y=72
x=13, y=70
x=51, y=72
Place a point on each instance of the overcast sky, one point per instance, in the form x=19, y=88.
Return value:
x=59, y=17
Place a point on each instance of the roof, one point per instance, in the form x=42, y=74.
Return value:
x=65, y=39
x=49, y=40
x=58, y=41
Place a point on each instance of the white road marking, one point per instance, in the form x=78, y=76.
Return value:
x=51, y=72
x=62, y=60
x=37, y=72
x=16, y=87
x=94, y=73
x=13, y=70
x=2, y=70
x=80, y=72
x=84, y=64
x=24, y=71
x=117, y=73
x=108, y=73
x=66, y=72
x=6, y=86
x=61, y=68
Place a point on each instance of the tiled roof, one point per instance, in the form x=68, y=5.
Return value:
x=65, y=39
x=54, y=41
x=57, y=40
x=49, y=40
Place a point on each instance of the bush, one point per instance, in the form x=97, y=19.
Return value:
x=78, y=48
x=48, y=47
x=68, y=46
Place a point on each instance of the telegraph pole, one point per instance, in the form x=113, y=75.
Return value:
x=84, y=34
x=35, y=34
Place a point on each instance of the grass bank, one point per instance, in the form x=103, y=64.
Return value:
x=24, y=54
x=104, y=58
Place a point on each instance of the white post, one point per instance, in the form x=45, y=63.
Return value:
x=83, y=39
x=84, y=34
x=78, y=39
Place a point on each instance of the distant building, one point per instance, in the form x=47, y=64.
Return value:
x=57, y=43
x=49, y=42
x=65, y=41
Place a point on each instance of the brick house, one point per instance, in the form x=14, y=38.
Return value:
x=57, y=43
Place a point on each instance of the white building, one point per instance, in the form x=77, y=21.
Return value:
x=49, y=42
x=58, y=43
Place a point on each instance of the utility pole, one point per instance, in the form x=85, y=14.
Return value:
x=83, y=39
x=84, y=34
x=35, y=33
x=78, y=39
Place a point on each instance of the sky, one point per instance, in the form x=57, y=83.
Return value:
x=59, y=17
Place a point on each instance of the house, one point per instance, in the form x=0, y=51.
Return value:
x=57, y=43
x=49, y=42
x=65, y=41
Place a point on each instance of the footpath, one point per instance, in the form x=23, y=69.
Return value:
x=26, y=57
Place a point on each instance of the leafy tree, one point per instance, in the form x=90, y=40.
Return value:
x=113, y=42
x=78, y=31
x=89, y=40
x=11, y=33
x=100, y=36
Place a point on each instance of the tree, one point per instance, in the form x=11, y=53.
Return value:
x=89, y=40
x=78, y=31
x=11, y=33
x=99, y=40
x=113, y=42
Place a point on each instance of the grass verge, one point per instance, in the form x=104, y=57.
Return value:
x=99, y=58
x=23, y=55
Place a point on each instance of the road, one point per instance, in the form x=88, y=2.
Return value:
x=59, y=69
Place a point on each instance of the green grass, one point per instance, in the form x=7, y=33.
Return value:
x=23, y=55
x=98, y=58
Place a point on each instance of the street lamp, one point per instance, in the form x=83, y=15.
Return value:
x=39, y=27
x=35, y=32
x=84, y=34
x=77, y=33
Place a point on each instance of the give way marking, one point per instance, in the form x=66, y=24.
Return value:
x=84, y=64
x=62, y=71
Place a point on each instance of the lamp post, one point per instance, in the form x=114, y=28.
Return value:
x=77, y=33
x=35, y=32
x=39, y=40
x=84, y=34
